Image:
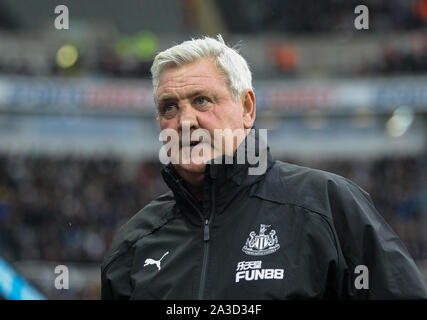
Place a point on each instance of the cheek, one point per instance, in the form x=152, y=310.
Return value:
x=231, y=119
x=168, y=124
x=221, y=118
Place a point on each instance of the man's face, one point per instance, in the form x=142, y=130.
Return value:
x=197, y=95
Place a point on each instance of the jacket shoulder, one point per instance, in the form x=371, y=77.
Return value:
x=310, y=188
x=154, y=215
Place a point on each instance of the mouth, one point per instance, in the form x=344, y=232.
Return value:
x=191, y=144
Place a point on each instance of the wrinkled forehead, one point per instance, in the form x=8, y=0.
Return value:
x=203, y=72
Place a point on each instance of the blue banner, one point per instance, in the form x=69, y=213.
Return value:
x=14, y=287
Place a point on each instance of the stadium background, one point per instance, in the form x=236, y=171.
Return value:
x=79, y=140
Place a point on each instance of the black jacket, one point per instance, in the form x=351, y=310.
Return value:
x=291, y=233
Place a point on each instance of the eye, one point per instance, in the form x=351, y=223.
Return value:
x=168, y=110
x=201, y=101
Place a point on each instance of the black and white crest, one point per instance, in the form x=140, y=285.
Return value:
x=261, y=244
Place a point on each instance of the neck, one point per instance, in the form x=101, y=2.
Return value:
x=196, y=191
x=194, y=181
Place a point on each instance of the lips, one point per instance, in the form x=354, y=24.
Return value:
x=191, y=144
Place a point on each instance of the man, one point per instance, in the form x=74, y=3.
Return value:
x=286, y=232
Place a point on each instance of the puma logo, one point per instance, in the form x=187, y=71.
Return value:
x=156, y=262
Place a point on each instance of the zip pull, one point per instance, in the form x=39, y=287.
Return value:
x=206, y=231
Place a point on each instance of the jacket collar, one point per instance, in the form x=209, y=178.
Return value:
x=224, y=180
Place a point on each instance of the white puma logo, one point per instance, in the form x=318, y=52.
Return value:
x=156, y=262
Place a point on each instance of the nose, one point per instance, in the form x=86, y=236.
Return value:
x=187, y=117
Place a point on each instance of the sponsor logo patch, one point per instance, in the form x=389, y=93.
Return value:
x=261, y=244
x=252, y=271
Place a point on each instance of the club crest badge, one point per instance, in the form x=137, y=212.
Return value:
x=261, y=244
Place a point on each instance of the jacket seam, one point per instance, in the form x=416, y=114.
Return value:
x=118, y=254
x=326, y=219
x=317, y=213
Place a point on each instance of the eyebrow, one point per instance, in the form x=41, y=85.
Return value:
x=169, y=98
x=166, y=100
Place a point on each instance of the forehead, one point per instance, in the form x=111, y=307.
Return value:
x=199, y=75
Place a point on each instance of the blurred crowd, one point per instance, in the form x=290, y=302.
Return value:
x=394, y=60
x=308, y=16
x=129, y=55
x=68, y=209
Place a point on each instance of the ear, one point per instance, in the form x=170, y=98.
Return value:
x=248, y=108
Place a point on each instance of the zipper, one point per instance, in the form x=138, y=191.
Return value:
x=205, y=260
x=206, y=230
x=206, y=238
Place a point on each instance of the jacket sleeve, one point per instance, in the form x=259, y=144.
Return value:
x=106, y=290
x=115, y=278
x=374, y=263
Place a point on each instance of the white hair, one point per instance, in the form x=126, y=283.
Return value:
x=231, y=64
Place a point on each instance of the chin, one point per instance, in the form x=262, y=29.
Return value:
x=192, y=173
x=191, y=168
